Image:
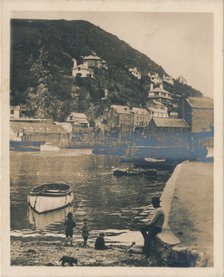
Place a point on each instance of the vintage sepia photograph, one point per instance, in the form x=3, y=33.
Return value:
x=111, y=141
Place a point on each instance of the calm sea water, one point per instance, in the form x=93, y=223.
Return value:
x=107, y=201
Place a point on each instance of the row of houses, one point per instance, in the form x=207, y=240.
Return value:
x=197, y=118
x=156, y=79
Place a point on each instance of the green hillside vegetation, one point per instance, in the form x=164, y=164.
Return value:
x=41, y=76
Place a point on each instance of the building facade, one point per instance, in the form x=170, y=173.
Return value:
x=157, y=109
x=169, y=131
x=81, y=70
x=78, y=119
x=14, y=112
x=119, y=118
x=38, y=132
x=198, y=112
x=94, y=61
x=154, y=78
x=141, y=117
x=134, y=71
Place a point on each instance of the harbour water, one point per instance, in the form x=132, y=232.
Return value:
x=113, y=205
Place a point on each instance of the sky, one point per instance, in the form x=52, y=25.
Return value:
x=182, y=43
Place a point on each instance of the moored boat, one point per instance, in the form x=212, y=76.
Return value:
x=134, y=172
x=49, y=197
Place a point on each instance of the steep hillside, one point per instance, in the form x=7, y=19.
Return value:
x=41, y=76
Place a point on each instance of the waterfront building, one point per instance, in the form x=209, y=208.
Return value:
x=38, y=132
x=14, y=112
x=78, y=119
x=168, y=131
x=198, y=112
x=141, y=117
x=81, y=70
x=134, y=71
x=119, y=118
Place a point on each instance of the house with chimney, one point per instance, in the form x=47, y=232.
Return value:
x=119, y=118
x=78, y=119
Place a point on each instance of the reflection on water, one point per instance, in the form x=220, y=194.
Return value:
x=108, y=202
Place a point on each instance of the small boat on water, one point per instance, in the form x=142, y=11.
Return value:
x=49, y=197
x=135, y=172
x=48, y=147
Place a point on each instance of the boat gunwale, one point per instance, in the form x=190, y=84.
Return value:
x=59, y=193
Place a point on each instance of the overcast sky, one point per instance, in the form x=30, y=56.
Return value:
x=182, y=43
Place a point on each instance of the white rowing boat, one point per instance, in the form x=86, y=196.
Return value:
x=49, y=197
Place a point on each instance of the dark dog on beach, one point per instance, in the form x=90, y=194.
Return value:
x=68, y=260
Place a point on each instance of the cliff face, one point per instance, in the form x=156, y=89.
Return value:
x=41, y=76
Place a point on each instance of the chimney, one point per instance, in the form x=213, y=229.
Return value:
x=105, y=93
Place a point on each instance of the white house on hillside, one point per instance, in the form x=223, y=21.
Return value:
x=135, y=72
x=154, y=78
x=157, y=109
x=81, y=70
x=94, y=61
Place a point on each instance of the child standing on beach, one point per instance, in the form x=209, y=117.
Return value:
x=85, y=232
x=69, y=225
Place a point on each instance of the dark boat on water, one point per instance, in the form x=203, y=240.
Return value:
x=135, y=172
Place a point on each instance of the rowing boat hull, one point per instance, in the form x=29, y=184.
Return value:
x=49, y=197
x=42, y=204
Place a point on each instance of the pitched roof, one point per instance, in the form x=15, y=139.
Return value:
x=140, y=111
x=78, y=115
x=25, y=127
x=200, y=102
x=121, y=109
x=160, y=90
x=91, y=57
x=170, y=122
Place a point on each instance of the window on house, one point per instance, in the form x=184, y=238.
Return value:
x=12, y=111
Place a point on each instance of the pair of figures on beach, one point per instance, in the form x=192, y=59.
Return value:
x=148, y=231
x=70, y=224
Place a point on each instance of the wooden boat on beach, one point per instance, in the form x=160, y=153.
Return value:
x=49, y=197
